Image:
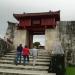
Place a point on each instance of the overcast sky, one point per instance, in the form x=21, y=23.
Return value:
x=8, y=7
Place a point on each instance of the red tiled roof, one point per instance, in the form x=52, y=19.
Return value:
x=56, y=13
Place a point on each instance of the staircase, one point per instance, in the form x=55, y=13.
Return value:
x=7, y=66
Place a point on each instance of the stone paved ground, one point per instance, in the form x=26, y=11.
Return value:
x=7, y=66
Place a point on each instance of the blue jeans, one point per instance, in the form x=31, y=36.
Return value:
x=18, y=57
x=25, y=61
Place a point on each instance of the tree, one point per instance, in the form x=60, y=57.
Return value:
x=36, y=44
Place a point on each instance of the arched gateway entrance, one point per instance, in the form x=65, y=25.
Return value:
x=34, y=24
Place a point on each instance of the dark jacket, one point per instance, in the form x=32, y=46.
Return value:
x=19, y=49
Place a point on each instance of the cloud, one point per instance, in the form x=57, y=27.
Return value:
x=8, y=7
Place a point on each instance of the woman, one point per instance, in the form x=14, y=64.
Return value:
x=25, y=53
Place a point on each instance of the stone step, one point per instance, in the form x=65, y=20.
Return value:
x=38, y=54
x=22, y=72
x=8, y=67
x=31, y=49
x=26, y=67
x=41, y=60
x=38, y=58
x=29, y=56
x=30, y=63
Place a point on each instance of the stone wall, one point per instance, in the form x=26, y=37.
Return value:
x=50, y=36
x=5, y=47
x=65, y=31
x=20, y=37
x=67, y=37
x=9, y=36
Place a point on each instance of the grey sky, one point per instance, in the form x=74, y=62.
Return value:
x=8, y=7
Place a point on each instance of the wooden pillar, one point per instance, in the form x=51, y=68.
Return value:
x=30, y=41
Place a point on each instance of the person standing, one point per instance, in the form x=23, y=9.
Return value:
x=25, y=53
x=34, y=54
x=19, y=53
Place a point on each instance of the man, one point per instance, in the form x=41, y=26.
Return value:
x=34, y=55
x=19, y=52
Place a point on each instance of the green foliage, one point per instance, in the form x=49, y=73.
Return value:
x=70, y=71
x=36, y=44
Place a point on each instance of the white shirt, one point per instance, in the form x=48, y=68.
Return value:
x=34, y=52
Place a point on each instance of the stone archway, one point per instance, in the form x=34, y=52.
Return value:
x=36, y=23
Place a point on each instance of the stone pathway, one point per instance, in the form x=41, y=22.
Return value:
x=7, y=66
